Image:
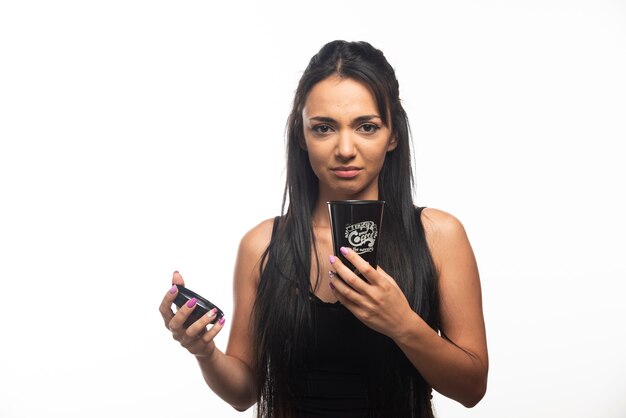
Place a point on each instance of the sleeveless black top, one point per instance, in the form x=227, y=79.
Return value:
x=339, y=367
x=334, y=377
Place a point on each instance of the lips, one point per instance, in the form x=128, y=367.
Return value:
x=346, y=172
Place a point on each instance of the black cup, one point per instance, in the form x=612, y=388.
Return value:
x=356, y=224
x=203, y=306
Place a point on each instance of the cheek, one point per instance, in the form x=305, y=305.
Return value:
x=316, y=161
x=319, y=153
x=317, y=166
x=377, y=157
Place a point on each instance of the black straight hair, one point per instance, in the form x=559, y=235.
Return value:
x=282, y=316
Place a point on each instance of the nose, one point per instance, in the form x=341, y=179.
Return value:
x=345, y=149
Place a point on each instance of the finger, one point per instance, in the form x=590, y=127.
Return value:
x=204, y=345
x=177, y=279
x=342, y=286
x=198, y=328
x=340, y=289
x=350, y=299
x=383, y=274
x=360, y=264
x=214, y=330
x=176, y=324
x=166, y=305
x=200, y=343
x=348, y=276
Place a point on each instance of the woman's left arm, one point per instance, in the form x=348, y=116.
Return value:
x=455, y=364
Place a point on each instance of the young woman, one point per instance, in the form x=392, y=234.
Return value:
x=309, y=337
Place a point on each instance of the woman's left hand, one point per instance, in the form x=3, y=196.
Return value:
x=379, y=303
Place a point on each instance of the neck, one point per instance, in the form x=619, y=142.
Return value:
x=320, y=216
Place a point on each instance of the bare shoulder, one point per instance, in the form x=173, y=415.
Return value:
x=254, y=242
x=247, y=271
x=258, y=238
x=441, y=225
x=252, y=246
x=445, y=234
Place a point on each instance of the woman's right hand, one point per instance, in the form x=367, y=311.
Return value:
x=197, y=338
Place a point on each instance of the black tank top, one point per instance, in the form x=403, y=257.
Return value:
x=339, y=366
x=335, y=374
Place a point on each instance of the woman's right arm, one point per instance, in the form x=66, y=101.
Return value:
x=231, y=374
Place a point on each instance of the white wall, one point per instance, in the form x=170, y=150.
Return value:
x=141, y=137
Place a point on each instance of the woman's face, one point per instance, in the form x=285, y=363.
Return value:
x=345, y=139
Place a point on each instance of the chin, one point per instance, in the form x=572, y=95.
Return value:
x=347, y=193
x=354, y=191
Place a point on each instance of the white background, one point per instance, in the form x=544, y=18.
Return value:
x=142, y=137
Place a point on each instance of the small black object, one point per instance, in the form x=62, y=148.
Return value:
x=203, y=306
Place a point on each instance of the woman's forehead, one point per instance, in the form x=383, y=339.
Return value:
x=339, y=95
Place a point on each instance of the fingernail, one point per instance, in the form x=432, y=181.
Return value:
x=331, y=274
x=173, y=289
x=212, y=312
x=344, y=250
x=331, y=286
x=332, y=259
x=175, y=271
x=221, y=321
x=192, y=302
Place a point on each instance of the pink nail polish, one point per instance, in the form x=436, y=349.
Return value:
x=173, y=289
x=221, y=321
x=331, y=274
x=192, y=302
x=331, y=286
x=332, y=259
x=212, y=312
x=344, y=250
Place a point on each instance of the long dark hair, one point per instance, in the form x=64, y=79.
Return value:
x=282, y=308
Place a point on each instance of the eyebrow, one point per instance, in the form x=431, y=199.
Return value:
x=357, y=120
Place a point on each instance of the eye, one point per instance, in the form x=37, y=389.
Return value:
x=369, y=128
x=322, y=129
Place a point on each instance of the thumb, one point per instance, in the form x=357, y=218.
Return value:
x=177, y=279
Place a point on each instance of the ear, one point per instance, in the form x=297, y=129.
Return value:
x=393, y=143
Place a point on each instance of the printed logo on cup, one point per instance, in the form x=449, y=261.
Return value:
x=362, y=236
